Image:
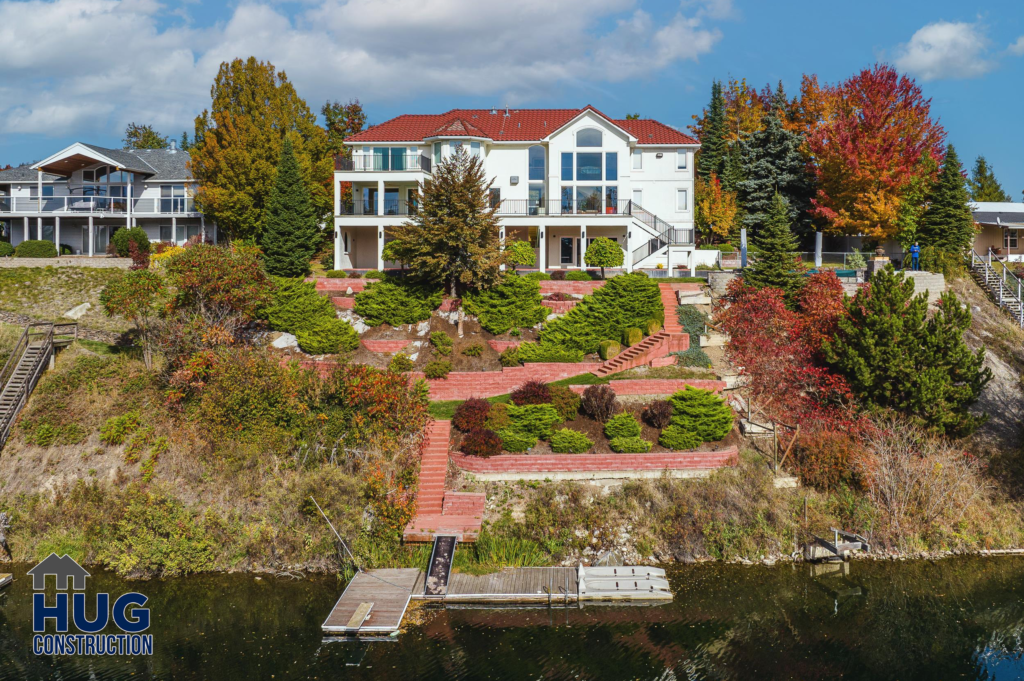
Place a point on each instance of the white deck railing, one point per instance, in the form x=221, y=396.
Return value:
x=95, y=205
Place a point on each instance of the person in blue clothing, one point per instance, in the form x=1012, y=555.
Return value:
x=915, y=257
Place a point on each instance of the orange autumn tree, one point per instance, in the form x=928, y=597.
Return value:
x=871, y=139
x=744, y=109
x=715, y=210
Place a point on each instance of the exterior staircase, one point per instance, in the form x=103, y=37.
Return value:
x=670, y=339
x=30, y=357
x=662, y=237
x=1005, y=288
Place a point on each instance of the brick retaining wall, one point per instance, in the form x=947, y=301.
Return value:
x=68, y=261
x=385, y=345
x=559, y=306
x=461, y=385
x=577, y=288
x=325, y=284
x=343, y=303
x=656, y=386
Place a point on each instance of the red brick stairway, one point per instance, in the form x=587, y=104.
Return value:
x=670, y=301
x=437, y=511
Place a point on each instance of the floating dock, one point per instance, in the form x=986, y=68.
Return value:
x=373, y=603
x=5, y=579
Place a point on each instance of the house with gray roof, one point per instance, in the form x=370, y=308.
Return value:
x=999, y=229
x=81, y=195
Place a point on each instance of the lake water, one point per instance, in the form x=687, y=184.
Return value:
x=952, y=619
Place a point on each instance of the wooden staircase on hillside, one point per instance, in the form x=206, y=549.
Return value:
x=1006, y=289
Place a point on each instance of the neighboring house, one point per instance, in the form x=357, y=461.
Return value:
x=1000, y=228
x=82, y=194
x=561, y=178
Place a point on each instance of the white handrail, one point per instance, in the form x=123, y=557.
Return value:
x=1016, y=307
x=86, y=205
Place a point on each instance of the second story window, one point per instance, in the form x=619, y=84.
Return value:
x=681, y=159
x=638, y=159
x=589, y=137
x=536, y=161
x=494, y=197
x=567, y=166
x=474, y=149
x=588, y=166
x=611, y=166
x=437, y=153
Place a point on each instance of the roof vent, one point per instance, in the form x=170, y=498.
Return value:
x=174, y=147
x=494, y=111
x=507, y=114
x=519, y=125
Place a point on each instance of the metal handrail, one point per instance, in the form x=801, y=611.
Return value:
x=1004, y=287
x=86, y=204
x=12, y=362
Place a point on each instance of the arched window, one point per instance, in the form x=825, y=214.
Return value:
x=588, y=137
x=536, y=156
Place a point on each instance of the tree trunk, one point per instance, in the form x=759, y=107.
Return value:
x=461, y=314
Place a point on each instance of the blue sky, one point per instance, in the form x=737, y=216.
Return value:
x=82, y=69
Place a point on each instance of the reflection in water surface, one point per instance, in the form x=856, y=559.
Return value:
x=953, y=619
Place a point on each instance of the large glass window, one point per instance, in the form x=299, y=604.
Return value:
x=611, y=166
x=567, y=200
x=589, y=137
x=611, y=200
x=536, y=201
x=588, y=167
x=398, y=158
x=391, y=202
x=536, y=155
x=437, y=152
x=165, y=233
x=638, y=159
x=172, y=198
x=381, y=158
x=588, y=199
x=567, y=166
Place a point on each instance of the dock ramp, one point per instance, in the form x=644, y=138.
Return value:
x=440, y=567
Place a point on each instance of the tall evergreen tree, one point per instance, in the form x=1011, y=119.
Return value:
x=983, y=185
x=711, y=157
x=776, y=263
x=291, y=235
x=143, y=137
x=947, y=223
x=732, y=175
x=772, y=163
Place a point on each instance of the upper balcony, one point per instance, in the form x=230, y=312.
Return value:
x=386, y=163
x=96, y=205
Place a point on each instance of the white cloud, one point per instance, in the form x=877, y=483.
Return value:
x=946, y=50
x=93, y=65
x=1017, y=48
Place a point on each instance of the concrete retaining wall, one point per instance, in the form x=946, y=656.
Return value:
x=68, y=261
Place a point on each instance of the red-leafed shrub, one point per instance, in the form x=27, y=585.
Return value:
x=481, y=442
x=558, y=296
x=599, y=402
x=471, y=414
x=531, y=392
x=558, y=275
x=821, y=305
x=828, y=459
x=658, y=414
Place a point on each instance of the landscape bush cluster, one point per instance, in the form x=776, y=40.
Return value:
x=298, y=309
x=513, y=303
x=396, y=302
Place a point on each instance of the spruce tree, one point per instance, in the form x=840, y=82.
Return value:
x=772, y=162
x=947, y=223
x=895, y=357
x=290, y=238
x=983, y=184
x=711, y=157
x=775, y=265
x=732, y=174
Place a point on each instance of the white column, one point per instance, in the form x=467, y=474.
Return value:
x=693, y=263
x=583, y=246
x=380, y=247
x=542, y=241
x=39, y=190
x=39, y=226
x=380, y=197
x=337, y=197
x=337, y=241
x=174, y=230
x=128, y=211
x=92, y=238
x=28, y=233
x=628, y=257
x=56, y=233
x=202, y=228
x=501, y=242
x=817, y=249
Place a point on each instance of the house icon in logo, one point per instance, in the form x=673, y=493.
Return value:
x=61, y=567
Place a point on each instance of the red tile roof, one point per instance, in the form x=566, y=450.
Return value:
x=521, y=125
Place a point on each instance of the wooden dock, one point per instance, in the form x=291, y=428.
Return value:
x=373, y=603
x=511, y=585
x=5, y=579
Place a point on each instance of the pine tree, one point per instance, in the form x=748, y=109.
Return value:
x=732, y=175
x=291, y=234
x=895, y=357
x=947, y=223
x=983, y=184
x=772, y=163
x=711, y=157
x=775, y=265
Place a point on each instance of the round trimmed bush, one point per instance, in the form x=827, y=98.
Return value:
x=658, y=414
x=599, y=402
x=531, y=392
x=538, y=276
x=622, y=425
x=509, y=357
x=632, y=336
x=400, y=363
x=535, y=419
x=125, y=235
x=481, y=442
x=439, y=368
x=515, y=441
x=6, y=250
x=609, y=349
x=578, y=275
x=471, y=414
x=679, y=440
x=569, y=441
x=373, y=274
x=652, y=327
x=327, y=336
x=702, y=412
x=629, y=445
x=336, y=274
x=34, y=248
x=565, y=402
x=498, y=418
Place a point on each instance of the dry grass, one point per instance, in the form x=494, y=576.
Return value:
x=46, y=293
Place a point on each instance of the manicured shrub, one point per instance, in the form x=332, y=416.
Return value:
x=519, y=254
x=474, y=350
x=35, y=249
x=603, y=252
x=622, y=425
x=498, y=418
x=400, y=363
x=599, y=402
x=123, y=236
x=657, y=414
x=569, y=441
x=609, y=349
x=578, y=275
x=652, y=327
x=336, y=274
x=558, y=275
x=396, y=303
x=327, y=336
x=355, y=274
x=625, y=301
x=702, y=412
x=516, y=441
x=374, y=274
x=679, y=439
x=481, y=442
x=560, y=297
x=471, y=414
x=442, y=343
x=513, y=303
x=6, y=250
x=509, y=357
x=538, y=276
x=565, y=401
x=693, y=356
x=541, y=352
x=535, y=419
x=531, y=392
x=439, y=368
x=629, y=445
x=632, y=336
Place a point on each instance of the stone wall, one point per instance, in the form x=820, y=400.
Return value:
x=68, y=261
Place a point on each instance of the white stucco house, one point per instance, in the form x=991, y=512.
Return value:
x=82, y=194
x=561, y=177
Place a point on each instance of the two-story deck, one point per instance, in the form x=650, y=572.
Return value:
x=82, y=194
x=560, y=178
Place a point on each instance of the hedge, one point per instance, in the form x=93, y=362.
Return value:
x=387, y=302
x=327, y=336
x=578, y=275
x=629, y=445
x=631, y=337
x=6, y=250
x=516, y=441
x=609, y=349
x=513, y=303
x=625, y=301
x=535, y=419
x=679, y=439
x=35, y=249
x=622, y=425
x=543, y=352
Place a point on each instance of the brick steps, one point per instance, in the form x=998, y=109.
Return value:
x=343, y=303
x=385, y=345
x=559, y=306
x=576, y=288
x=357, y=285
x=557, y=463
x=656, y=386
x=670, y=301
x=627, y=359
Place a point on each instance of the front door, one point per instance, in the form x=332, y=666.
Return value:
x=569, y=250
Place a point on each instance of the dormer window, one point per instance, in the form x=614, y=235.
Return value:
x=588, y=137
